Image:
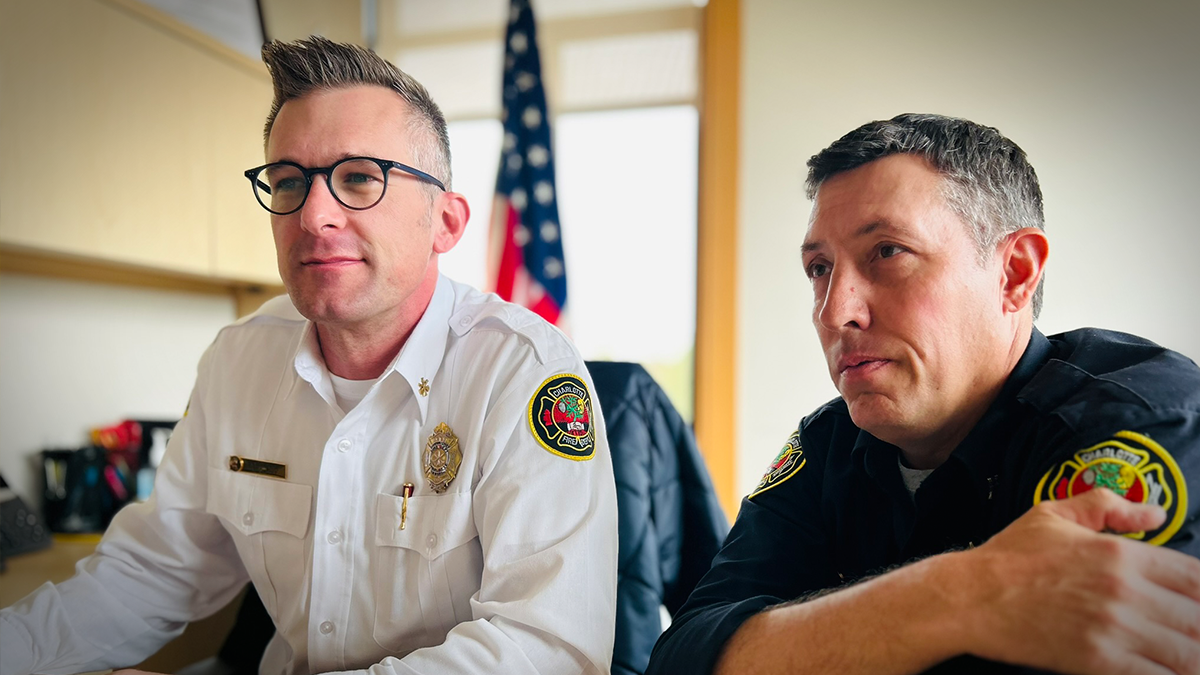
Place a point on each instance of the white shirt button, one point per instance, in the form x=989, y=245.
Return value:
x=431, y=540
x=334, y=537
x=465, y=321
x=248, y=519
x=343, y=445
x=326, y=627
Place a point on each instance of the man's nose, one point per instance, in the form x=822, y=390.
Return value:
x=844, y=303
x=321, y=209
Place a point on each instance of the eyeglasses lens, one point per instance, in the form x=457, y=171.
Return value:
x=281, y=188
x=356, y=183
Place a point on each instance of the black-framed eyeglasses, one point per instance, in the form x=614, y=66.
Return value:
x=355, y=182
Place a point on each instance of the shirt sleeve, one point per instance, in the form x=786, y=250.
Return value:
x=547, y=520
x=160, y=564
x=1147, y=455
x=776, y=552
x=1181, y=440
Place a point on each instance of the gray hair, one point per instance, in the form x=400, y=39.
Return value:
x=988, y=181
x=301, y=67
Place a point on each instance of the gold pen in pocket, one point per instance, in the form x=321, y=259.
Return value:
x=406, y=492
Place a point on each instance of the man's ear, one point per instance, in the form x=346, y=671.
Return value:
x=1023, y=260
x=451, y=214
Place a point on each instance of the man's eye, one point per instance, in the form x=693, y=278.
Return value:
x=356, y=179
x=816, y=270
x=359, y=183
x=889, y=250
x=288, y=185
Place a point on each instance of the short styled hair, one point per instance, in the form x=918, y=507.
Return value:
x=988, y=181
x=316, y=63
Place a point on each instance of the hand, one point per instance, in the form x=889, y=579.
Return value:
x=1053, y=592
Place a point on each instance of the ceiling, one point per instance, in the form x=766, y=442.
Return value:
x=596, y=54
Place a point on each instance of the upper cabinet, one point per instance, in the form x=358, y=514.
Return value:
x=123, y=137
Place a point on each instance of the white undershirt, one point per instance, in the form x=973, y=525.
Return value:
x=912, y=477
x=350, y=392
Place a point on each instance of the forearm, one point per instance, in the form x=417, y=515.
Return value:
x=495, y=646
x=74, y=627
x=905, y=621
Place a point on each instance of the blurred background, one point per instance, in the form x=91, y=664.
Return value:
x=128, y=236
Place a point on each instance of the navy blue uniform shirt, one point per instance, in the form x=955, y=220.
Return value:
x=1081, y=409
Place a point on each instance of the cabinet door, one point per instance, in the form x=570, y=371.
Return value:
x=243, y=246
x=107, y=123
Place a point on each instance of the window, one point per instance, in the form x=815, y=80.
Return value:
x=627, y=203
x=622, y=81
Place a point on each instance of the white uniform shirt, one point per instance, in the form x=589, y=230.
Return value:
x=511, y=570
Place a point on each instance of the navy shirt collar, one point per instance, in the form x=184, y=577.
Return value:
x=981, y=453
x=982, y=450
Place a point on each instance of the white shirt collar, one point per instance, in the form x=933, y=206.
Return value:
x=421, y=356
x=418, y=361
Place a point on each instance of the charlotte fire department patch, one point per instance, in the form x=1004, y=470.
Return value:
x=560, y=416
x=787, y=463
x=1131, y=465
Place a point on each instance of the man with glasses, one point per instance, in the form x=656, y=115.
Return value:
x=413, y=474
x=959, y=509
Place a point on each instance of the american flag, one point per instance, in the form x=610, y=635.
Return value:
x=525, y=245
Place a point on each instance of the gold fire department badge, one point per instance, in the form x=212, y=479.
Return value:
x=441, y=458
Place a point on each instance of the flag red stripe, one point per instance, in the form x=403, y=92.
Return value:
x=512, y=258
x=547, y=309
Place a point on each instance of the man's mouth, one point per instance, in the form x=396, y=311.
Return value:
x=859, y=363
x=330, y=261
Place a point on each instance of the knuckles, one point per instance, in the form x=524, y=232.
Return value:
x=1113, y=551
x=1112, y=586
x=1191, y=582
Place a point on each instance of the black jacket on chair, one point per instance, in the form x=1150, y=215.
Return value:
x=670, y=523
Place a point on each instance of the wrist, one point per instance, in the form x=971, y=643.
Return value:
x=958, y=601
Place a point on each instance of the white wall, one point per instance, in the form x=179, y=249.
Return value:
x=1104, y=96
x=79, y=355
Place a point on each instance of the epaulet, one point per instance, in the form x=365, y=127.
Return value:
x=836, y=406
x=491, y=313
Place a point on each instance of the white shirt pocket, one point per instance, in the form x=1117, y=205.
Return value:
x=269, y=520
x=426, y=573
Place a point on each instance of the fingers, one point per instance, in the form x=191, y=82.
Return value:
x=1127, y=663
x=1177, y=652
x=1169, y=610
x=1148, y=620
x=1101, y=510
x=1062, y=597
x=1176, y=572
x=1167, y=648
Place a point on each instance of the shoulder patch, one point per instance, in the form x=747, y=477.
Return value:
x=787, y=463
x=1131, y=465
x=560, y=417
